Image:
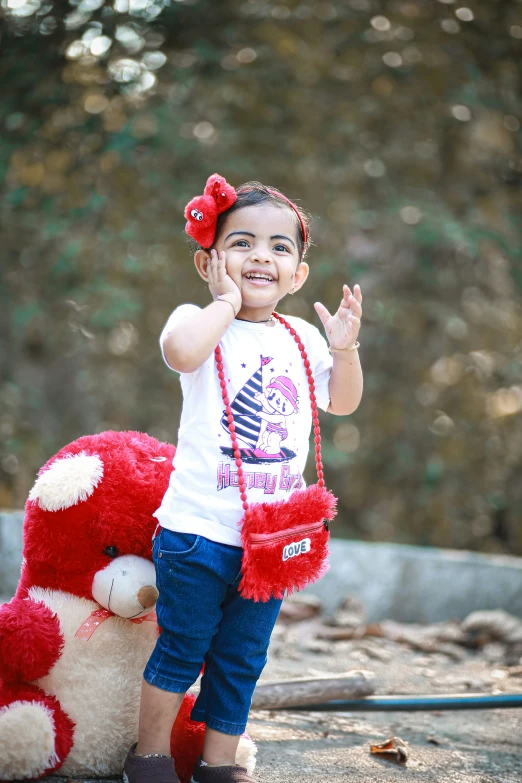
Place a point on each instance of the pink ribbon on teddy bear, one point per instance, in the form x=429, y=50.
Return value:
x=98, y=616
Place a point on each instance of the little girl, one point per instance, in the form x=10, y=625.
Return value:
x=252, y=244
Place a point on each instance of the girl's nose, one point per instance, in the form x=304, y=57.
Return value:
x=260, y=254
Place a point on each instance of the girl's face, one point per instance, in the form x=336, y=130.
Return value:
x=262, y=257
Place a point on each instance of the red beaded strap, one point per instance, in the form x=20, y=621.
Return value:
x=230, y=417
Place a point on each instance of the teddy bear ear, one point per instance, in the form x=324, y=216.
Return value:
x=201, y=214
x=67, y=481
x=223, y=193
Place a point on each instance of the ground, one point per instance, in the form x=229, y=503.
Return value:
x=462, y=747
x=472, y=746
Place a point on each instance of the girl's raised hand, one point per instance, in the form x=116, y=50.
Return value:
x=342, y=328
x=219, y=281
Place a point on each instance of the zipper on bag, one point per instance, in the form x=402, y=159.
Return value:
x=260, y=539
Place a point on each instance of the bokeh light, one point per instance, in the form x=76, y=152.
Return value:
x=396, y=124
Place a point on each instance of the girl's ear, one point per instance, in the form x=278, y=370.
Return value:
x=201, y=258
x=300, y=275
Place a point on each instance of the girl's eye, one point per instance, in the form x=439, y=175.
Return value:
x=241, y=243
x=281, y=248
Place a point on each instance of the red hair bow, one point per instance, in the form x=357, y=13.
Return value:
x=202, y=212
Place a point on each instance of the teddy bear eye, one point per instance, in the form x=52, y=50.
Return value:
x=111, y=551
x=200, y=216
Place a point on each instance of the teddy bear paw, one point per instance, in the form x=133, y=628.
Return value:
x=34, y=733
x=27, y=740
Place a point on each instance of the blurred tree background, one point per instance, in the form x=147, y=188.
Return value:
x=396, y=123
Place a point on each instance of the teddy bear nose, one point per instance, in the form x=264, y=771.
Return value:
x=147, y=596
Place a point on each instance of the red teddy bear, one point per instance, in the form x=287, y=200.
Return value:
x=76, y=637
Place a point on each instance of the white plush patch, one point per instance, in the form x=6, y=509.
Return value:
x=68, y=481
x=27, y=740
x=246, y=754
x=98, y=683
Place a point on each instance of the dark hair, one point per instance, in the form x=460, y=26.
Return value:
x=251, y=194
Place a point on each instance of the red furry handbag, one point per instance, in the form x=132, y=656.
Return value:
x=285, y=543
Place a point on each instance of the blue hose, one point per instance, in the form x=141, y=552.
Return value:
x=470, y=701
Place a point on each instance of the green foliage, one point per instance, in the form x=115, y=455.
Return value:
x=396, y=123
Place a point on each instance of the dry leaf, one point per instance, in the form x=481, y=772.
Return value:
x=336, y=634
x=438, y=637
x=350, y=613
x=297, y=609
x=393, y=749
x=485, y=626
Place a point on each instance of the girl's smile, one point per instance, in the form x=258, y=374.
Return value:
x=259, y=278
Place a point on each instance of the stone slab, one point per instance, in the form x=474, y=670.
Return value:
x=419, y=584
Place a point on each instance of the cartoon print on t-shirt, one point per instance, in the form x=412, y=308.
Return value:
x=278, y=401
x=259, y=417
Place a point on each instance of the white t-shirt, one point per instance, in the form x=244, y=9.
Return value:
x=269, y=395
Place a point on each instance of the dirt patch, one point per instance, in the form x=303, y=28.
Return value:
x=471, y=746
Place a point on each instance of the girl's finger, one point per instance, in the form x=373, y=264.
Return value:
x=221, y=266
x=218, y=266
x=355, y=305
x=211, y=267
x=345, y=301
x=357, y=293
x=322, y=312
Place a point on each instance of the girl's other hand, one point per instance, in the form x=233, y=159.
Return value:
x=342, y=328
x=219, y=281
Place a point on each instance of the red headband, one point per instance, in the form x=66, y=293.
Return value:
x=202, y=212
x=291, y=203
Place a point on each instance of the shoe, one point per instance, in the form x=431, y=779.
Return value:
x=203, y=773
x=143, y=769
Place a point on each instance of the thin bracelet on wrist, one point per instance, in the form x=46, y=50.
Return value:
x=344, y=350
x=221, y=298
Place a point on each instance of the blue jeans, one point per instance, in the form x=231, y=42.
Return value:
x=204, y=619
